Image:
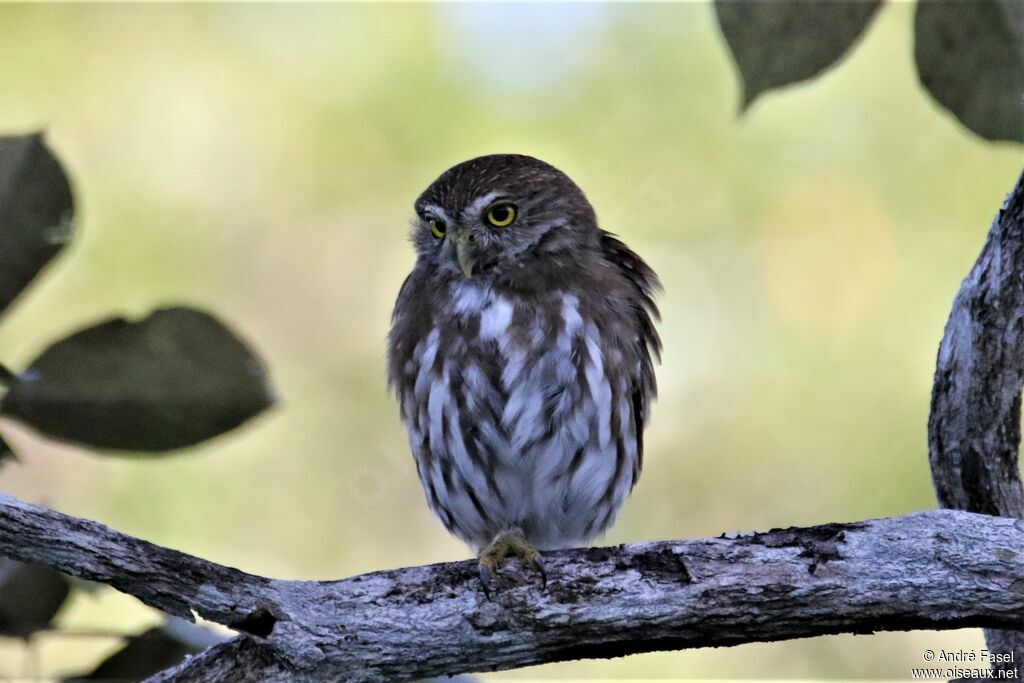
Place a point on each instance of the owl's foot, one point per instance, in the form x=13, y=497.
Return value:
x=509, y=543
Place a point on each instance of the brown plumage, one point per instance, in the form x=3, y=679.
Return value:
x=521, y=353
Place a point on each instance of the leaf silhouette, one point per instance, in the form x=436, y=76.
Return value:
x=779, y=43
x=172, y=380
x=36, y=212
x=970, y=57
x=151, y=651
x=30, y=597
x=7, y=454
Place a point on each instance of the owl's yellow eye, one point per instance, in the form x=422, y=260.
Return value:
x=437, y=228
x=501, y=215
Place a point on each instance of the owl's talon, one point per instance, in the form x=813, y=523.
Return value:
x=506, y=544
x=538, y=565
x=486, y=579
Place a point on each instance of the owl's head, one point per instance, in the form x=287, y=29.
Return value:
x=492, y=212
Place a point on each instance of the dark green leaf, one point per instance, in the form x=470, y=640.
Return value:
x=6, y=453
x=970, y=57
x=170, y=381
x=30, y=597
x=141, y=657
x=35, y=212
x=152, y=651
x=7, y=378
x=778, y=43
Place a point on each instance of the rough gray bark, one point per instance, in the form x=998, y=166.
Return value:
x=974, y=426
x=936, y=570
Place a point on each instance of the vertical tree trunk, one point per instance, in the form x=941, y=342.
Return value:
x=974, y=427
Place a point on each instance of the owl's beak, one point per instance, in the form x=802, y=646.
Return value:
x=466, y=253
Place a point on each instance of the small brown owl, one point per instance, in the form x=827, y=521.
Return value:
x=520, y=350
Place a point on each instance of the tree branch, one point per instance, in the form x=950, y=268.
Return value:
x=936, y=570
x=974, y=426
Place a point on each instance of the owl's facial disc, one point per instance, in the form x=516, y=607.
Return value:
x=488, y=216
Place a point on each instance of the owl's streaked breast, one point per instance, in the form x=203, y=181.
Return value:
x=519, y=414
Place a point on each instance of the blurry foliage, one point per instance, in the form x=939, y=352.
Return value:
x=6, y=454
x=35, y=212
x=151, y=651
x=30, y=597
x=264, y=158
x=172, y=380
x=970, y=55
x=142, y=656
x=778, y=43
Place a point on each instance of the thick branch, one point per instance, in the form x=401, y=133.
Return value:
x=974, y=426
x=934, y=570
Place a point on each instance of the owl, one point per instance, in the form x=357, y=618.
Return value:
x=521, y=354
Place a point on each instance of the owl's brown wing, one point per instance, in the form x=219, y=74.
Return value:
x=410, y=323
x=645, y=284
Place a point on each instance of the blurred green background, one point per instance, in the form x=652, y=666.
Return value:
x=261, y=161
